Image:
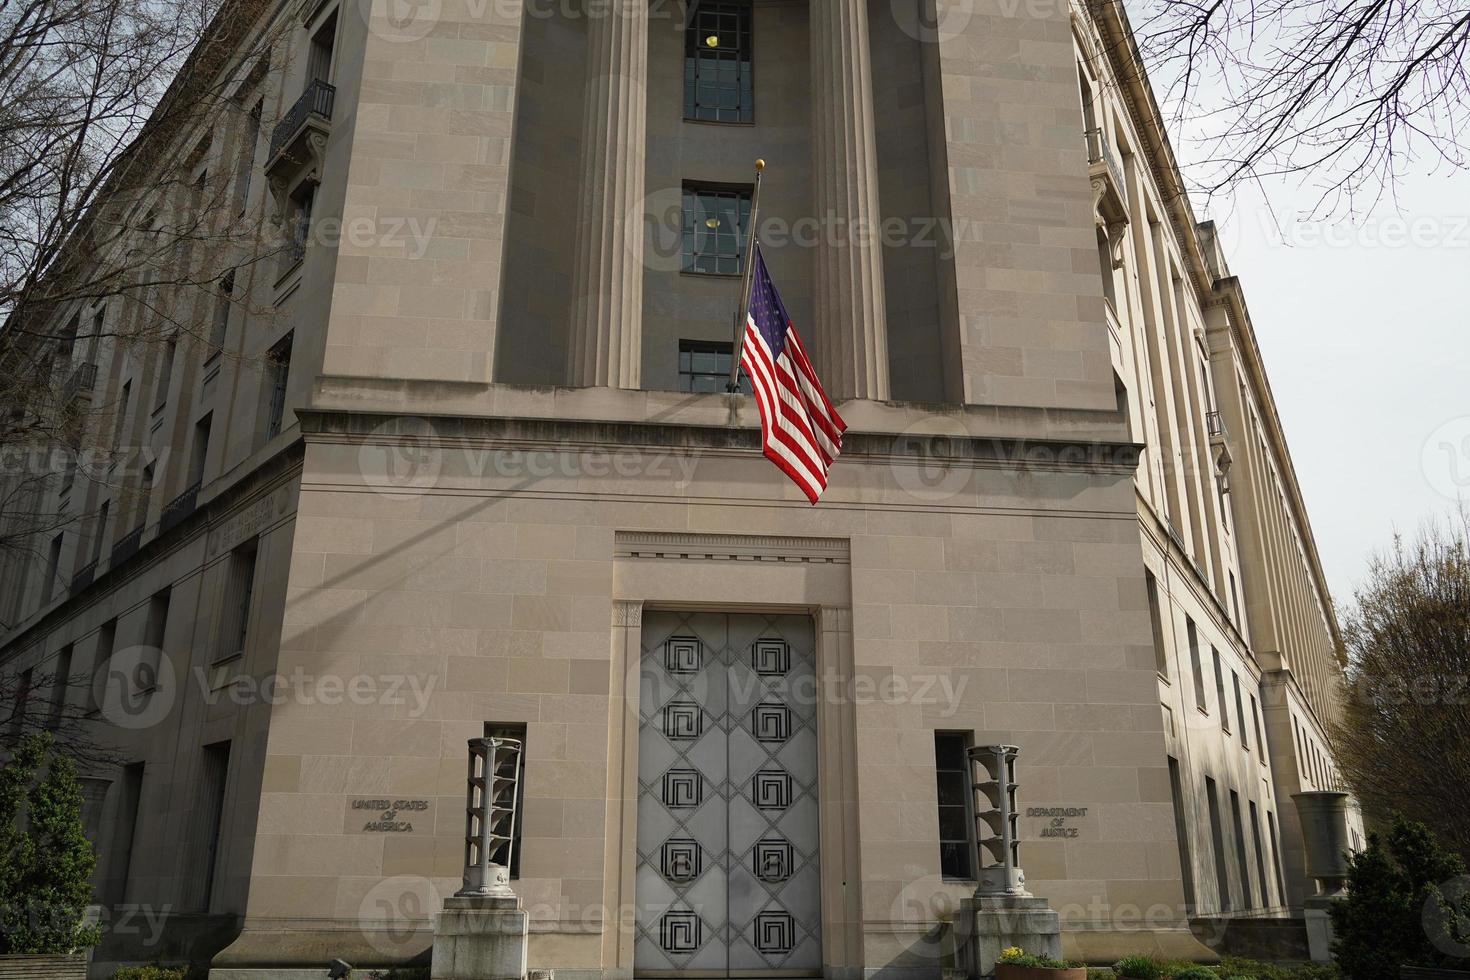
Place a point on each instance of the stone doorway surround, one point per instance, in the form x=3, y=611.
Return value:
x=738, y=573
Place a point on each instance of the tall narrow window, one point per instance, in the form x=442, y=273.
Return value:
x=301, y=208
x=278, y=370
x=1156, y=617
x=239, y=594
x=1181, y=833
x=146, y=496
x=245, y=160
x=23, y=684
x=101, y=665
x=1275, y=857
x=1260, y=856
x=99, y=321
x=517, y=731
x=1220, y=692
x=952, y=777
x=1217, y=841
x=1245, y=741
x=53, y=569
x=120, y=422
x=99, y=536
x=165, y=373
x=718, y=82
x=1235, y=602
x=60, y=686
x=209, y=811
x=199, y=452
x=1240, y=858
x=715, y=223
x=319, y=57
x=120, y=856
x=1256, y=724
x=154, y=634
x=220, y=324
x=1196, y=666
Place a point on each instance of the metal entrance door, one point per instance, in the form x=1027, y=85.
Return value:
x=727, y=797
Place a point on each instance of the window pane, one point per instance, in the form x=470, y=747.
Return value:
x=717, y=65
x=952, y=823
x=954, y=861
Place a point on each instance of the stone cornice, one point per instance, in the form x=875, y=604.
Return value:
x=581, y=434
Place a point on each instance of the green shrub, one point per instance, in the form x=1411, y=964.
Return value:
x=1139, y=967
x=1016, y=956
x=1194, y=972
x=44, y=866
x=1101, y=973
x=154, y=972
x=1395, y=913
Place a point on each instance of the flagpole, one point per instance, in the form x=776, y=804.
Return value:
x=744, y=311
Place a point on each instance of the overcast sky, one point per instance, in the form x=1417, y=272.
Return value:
x=1365, y=330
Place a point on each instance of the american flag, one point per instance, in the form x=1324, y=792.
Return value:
x=800, y=430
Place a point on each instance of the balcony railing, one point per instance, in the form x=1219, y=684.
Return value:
x=83, y=577
x=178, y=508
x=127, y=546
x=1215, y=425
x=82, y=380
x=315, y=103
x=1109, y=196
x=1100, y=151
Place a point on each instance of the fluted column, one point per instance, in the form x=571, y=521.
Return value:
x=851, y=341
x=605, y=343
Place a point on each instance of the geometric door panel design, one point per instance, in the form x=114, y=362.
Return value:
x=727, y=875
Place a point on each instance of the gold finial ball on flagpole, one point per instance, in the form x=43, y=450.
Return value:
x=760, y=165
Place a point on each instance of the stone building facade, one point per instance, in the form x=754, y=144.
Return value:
x=473, y=469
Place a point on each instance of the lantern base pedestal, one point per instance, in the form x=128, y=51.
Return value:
x=986, y=926
x=480, y=938
x=1317, y=913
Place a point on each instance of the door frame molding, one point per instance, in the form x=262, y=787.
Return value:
x=737, y=574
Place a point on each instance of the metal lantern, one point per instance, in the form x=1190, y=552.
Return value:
x=490, y=815
x=993, y=782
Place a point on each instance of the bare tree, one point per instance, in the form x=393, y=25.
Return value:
x=1346, y=93
x=33, y=702
x=1404, y=741
x=104, y=200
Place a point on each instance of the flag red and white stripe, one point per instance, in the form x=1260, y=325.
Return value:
x=800, y=430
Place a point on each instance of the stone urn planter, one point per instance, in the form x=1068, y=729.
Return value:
x=43, y=966
x=1009, y=971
